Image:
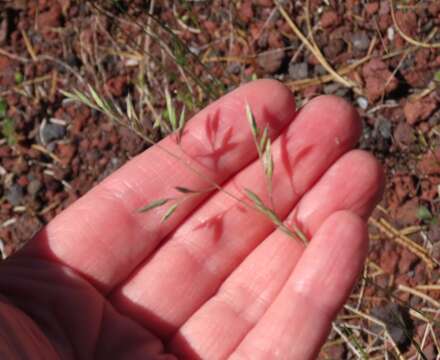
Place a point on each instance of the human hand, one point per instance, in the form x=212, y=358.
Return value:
x=216, y=280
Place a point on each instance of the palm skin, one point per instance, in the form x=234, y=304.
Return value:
x=216, y=280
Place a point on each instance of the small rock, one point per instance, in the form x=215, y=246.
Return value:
x=390, y=33
x=388, y=261
x=34, y=187
x=320, y=70
x=434, y=8
x=379, y=79
x=7, y=71
x=51, y=132
x=336, y=89
x=329, y=18
x=66, y=152
x=434, y=233
x=360, y=40
x=23, y=181
x=372, y=7
x=403, y=134
x=334, y=48
x=21, y=166
x=407, y=213
x=362, y=102
x=15, y=195
x=246, y=12
x=403, y=186
x=397, y=322
x=271, y=61
x=407, y=261
x=383, y=127
x=234, y=68
x=407, y=21
x=50, y=18
x=429, y=164
x=117, y=86
x=419, y=110
x=298, y=71
x=384, y=8
x=27, y=226
x=331, y=89
x=417, y=78
x=435, y=251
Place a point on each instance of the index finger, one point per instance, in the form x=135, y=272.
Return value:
x=104, y=238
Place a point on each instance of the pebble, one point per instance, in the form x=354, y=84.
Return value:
x=390, y=33
x=384, y=128
x=331, y=88
x=404, y=134
x=362, y=102
x=34, y=187
x=397, y=321
x=434, y=233
x=271, y=61
x=299, y=71
x=435, y=251
x=329, y=18
x=234, y=68
x=51, y=132
x=360, y=40
x=15, y=195
x=419, y=110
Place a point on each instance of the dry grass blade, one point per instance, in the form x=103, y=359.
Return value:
x=419, y=294
x=351, y=343
x=317, y=52
x=381, y=324
x=407, y=37
x=403, y=240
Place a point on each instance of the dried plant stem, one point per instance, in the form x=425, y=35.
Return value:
x=407, y=37
x=419, y=294
x=403, y=240
x=314, y=49
x=377, y=322
x=353, y=347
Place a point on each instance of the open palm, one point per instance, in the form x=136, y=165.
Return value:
x=216, y=280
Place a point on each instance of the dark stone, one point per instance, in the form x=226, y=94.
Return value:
x=398, y=323
x=34, y=187
x=15, y=195
x=299, y=71
x=360, y=40
x=51, y=132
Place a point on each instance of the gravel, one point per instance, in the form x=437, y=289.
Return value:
x=360, y=40
x=397, y=321
x=15, y=195
x=34, y=187
x=299, y=71
x=51, y=132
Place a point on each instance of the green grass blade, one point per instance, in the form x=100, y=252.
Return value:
x=152, y=205
x=169, y=212
x=253, y=123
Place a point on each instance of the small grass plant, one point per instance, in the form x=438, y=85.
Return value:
x=172, y=104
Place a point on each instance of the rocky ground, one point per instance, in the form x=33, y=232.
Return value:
x=386, y=60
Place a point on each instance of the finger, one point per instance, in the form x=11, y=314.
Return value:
x=245, y=296
x=298, y=321
x=216, y=238
x=102, y=235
